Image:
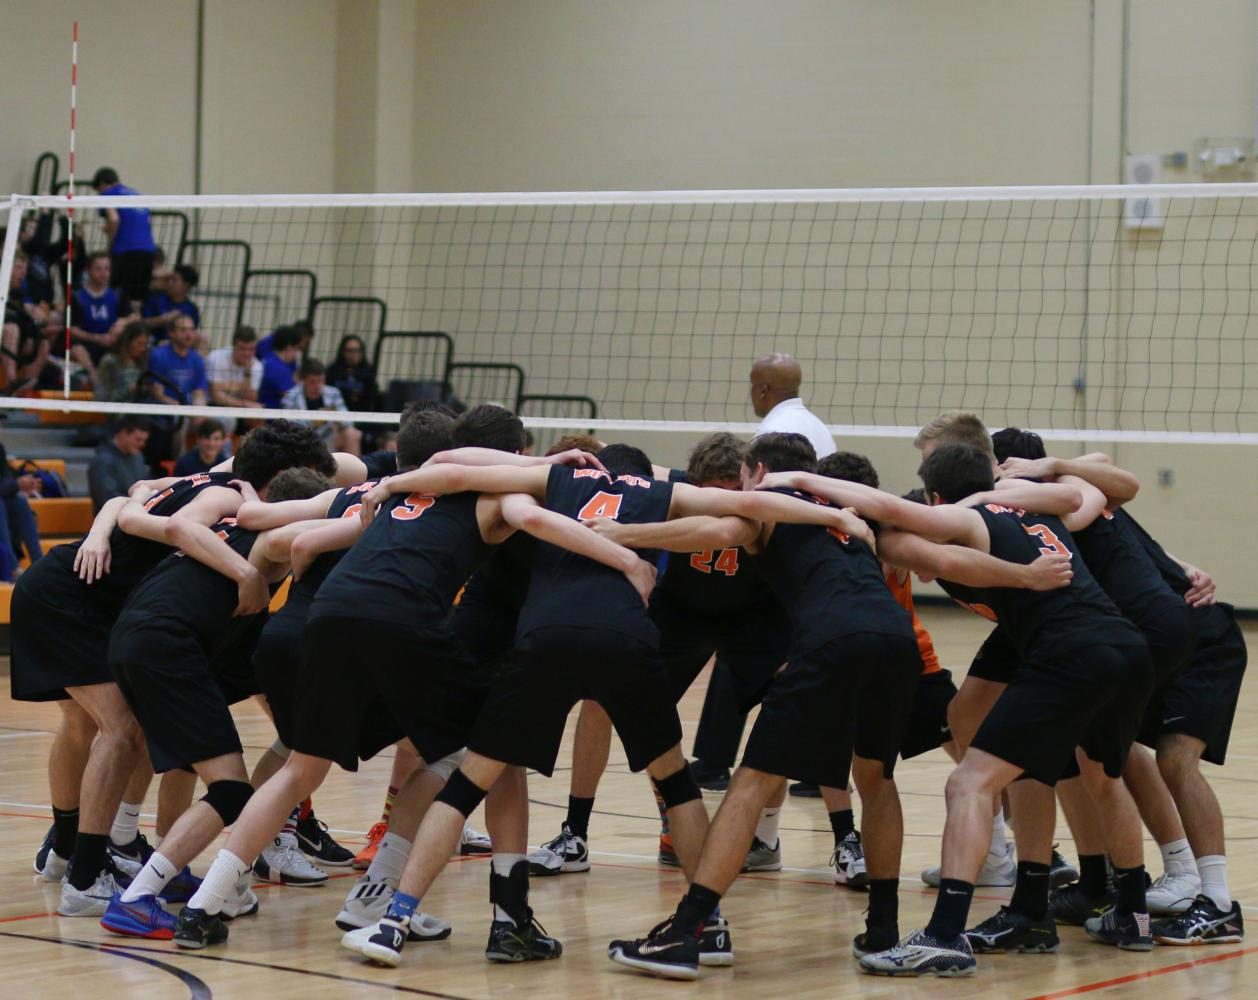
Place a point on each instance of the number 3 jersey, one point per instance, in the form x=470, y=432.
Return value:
x=409, y=564
x=1049, y=621
x=569, y=589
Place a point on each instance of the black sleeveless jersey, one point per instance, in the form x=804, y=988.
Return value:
x=1124, y=570
x=301, y=593
x=1173, y=574
x=185, y=596
x=1050, y=621
x=131, y=558
x=380, y=464
x=502, y=583
x=568, y=589
x=830, y=584
x=409, y=564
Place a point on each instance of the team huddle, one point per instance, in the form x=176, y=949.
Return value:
x=478, y=594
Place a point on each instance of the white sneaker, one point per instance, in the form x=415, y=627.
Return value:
x=88, y=903
x=997, y=872
x=1173, y=893
x=566, y=853
x=242, y=902
x=848, y=862
x=474, y=842
x=282, y=862
x=380, y=942
x=368, y=902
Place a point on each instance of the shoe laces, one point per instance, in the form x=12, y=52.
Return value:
x=289, y=858
x=560, y=844
x=377, y=832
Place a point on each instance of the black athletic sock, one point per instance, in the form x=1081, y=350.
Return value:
x=1130, y=883
x=842, y=822
x=952, y=910
x=89, y=859
x=695, y=907
x=65, y=827
x=884, y=902
x=1030, y=891
x=579, y=815
x=1092, y=875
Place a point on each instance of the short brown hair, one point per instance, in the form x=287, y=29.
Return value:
x=581, y=442
x=956, y=427
x=717, y=458
x=297, y=483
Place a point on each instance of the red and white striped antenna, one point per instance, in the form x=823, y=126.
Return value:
x=74, y=84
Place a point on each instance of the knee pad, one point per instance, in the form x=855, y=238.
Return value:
x=447, y=764
x=459, y=793
x=280, y=750
x=228, y=799
x=678, y=788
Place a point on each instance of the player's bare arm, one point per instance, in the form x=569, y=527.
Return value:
x=970, y=567
x=573, y=458
x=91, y=562
x=1118, y=485
x=257, y=515
x=209, y=507
x=202, y=544
x=448, y=477
x=1057, y=499
x=331, y=536
x=683, y=534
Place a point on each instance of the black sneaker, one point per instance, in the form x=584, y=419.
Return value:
x=1129, y=931
x=1012, y=931
x=716, y=947
x=197, y=929
x=1060, y=871
x=804, y=790
x=664, y=952
x=528, y=942
x=315, y=842
x=710, y=779
x=1071, y=905
x=1202, y=923
x=875, y=938
x=138, y=851
x=48, y=863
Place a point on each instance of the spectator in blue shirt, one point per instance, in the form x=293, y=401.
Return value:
x=130, y=238
x=162, y=308
x=266, y=345
x=279, y=368
x=207, y=453
x=180, y=367
x=97, y=314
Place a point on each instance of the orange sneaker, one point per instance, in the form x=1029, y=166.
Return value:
x=376, y=834
x=667, y=855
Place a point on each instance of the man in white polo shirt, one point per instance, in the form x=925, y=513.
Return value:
x=775, y=381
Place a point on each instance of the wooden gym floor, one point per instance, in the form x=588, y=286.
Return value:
x=792, y=930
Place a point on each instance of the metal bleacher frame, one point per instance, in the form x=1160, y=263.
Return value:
x=191, y=249
x=41, y=166
x=370, y=336
x=563, y=406
x=181, y=220
x=508, y=370
x=276, y=272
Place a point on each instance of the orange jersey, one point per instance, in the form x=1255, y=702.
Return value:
x=903, y=593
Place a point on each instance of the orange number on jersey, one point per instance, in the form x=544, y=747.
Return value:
x=601, y=505
x=1052, y=544
x=978, y=609
x=360, y=488
x=412, y=507
x=726, y=561
x=842, y=536
x=352, y=511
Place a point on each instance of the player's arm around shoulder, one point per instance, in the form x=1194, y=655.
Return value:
x=970, y=567
x=272, y=553
x=257, y=515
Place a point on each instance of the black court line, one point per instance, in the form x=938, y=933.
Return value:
x=127, y=948
x=197, y=988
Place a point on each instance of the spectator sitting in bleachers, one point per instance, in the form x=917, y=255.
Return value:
x=97, y=315
x=180, y=367
x=18, y=520
x=207, y=453
x=25, y=348
x=267, y=345
x=163, y=307
x=120, y=369
x=279, y=367
x=354, y=375
x=119, y=461
x=130, y=239
x=313, y=393
x=235, y=373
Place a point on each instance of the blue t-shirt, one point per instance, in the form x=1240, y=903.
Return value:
x=159, y=303
x=266, y=347
x=96, y=313
x=187, y=374
x=134, y=231
x=278, y=377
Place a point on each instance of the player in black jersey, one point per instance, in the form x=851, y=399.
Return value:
x=707, y=602
x=582, y=634
x=1084, y=677
x=181, y=652
x=61, y=626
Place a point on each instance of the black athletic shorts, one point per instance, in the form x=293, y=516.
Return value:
x=557, y=666
x=752, y=647
x=278, y=667
x=928, y=719
x=132, y=271
x=369, y=684
x=996, y=660
x=852, y=695
x=486, y=630
x=1092, y=697
x=167, y=680
x=56, y=640
x=1200, y=700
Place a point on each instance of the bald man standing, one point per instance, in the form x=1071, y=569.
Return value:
x=775, y=381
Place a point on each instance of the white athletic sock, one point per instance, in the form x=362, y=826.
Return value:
x=502, y=865
x=390, y=859
x=219, y=882
x=767, y=826
x=1213, y=869
x=157, y=871
x=1177, y=858
x=1000, y=843
x=126, y=823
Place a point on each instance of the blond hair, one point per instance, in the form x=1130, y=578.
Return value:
x=956, y=427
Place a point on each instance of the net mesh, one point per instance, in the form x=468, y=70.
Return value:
x=1053, y=309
